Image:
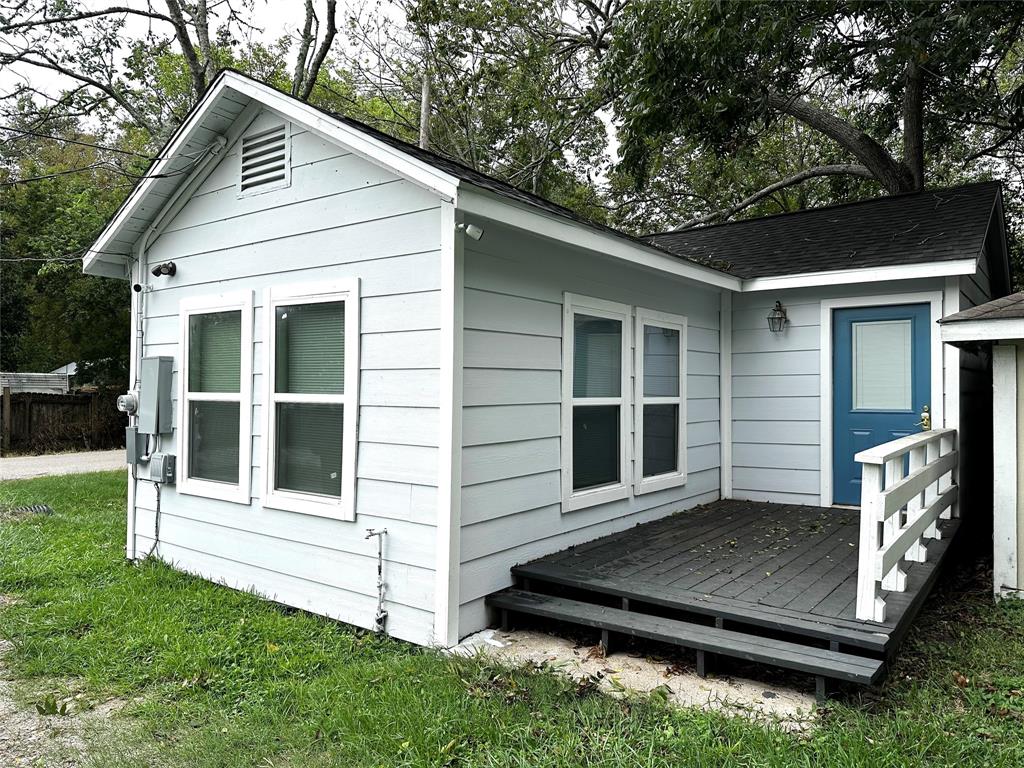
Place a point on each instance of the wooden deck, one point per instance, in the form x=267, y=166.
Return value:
x=783, y=574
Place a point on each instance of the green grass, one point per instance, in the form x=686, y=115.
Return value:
x=220, y=678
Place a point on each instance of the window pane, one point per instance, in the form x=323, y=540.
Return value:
x=309, y=448
x=310, y=348
x=215, y=352
x=661, y=361
x=881, y=365
x=661, y=439
x=595, y=446
x=597, y=357
x=213, y=441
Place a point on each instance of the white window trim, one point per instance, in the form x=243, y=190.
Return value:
x=343, y=508
x=264, y=188
x=224, y=302
x=571, y=305
x=667, y=479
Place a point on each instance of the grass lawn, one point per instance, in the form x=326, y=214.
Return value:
x=221, y=678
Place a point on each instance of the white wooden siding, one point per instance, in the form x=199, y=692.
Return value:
x=340, y=217
x=776, y=382
x=511, y=457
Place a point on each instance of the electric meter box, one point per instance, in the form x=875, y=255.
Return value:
x=155, y=396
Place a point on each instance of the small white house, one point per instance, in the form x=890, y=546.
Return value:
x=997, y=329
x=360, y=335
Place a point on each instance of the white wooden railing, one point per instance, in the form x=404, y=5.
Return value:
x=901, y=501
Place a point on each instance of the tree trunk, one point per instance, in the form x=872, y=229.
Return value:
x=913, y=123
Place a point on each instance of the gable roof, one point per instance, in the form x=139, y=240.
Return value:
x=223, y=114
x=1006, y=308
x=916, y=228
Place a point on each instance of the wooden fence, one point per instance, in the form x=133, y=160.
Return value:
x=38, y=423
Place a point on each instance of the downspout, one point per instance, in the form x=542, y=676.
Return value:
x=171, y=208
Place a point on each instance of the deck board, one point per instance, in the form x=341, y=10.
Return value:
x=783, y=567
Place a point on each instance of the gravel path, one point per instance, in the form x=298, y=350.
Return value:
x=20, y=467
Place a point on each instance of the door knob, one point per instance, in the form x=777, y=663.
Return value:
x=926, y=420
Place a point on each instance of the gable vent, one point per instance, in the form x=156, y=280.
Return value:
x=266, y=164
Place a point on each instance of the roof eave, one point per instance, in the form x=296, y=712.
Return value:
x=474, y=200
x=982, y=330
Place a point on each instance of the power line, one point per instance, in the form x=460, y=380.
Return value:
x=38, y=135
x=114, y=168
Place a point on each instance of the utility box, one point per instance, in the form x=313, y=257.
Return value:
x=155, y=396
x=161, y=468
x=135, y=445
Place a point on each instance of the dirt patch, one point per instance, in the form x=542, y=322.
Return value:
x=624, y=672
x=28, y=738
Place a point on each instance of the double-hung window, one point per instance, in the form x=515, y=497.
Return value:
x=215, y=396
x=660, y=410
x=310, y=406
x=596, y=389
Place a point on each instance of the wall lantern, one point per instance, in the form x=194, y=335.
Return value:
x=777, y=318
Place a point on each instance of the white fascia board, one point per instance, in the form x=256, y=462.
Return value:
x=292, y=109
x=983, y=330
x=474, y=201
x=867, y=275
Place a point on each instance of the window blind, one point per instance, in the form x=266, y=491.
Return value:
x=309, y=445
x=215, y=352
x=597, y=357
x=213, y=441
x=310, y=348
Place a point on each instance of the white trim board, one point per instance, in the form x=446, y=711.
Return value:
x=1005, y=575
x=725, y=392
x=983, y=330
x=449, y=465
x=934, y=298
x=867, y=275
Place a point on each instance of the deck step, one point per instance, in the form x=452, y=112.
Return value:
x=802, y=658
x=854, y=634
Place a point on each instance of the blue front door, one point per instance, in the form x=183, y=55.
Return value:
x=881, y=381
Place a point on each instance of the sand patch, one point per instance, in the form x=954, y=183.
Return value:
x=625, y=672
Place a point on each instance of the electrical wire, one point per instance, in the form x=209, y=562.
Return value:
x=194, y=159
x=38, y=135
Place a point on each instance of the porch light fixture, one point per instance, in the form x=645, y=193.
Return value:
x=777, y=318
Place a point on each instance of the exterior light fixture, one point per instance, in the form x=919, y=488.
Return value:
x=777, y=318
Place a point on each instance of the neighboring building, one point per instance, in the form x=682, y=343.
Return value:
x=996, y=328
x=55, y=383
x=364, y=335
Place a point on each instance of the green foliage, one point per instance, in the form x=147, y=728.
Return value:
x=52, y=313
x=220, y=678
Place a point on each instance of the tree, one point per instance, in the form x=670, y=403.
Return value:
x=723, y=74
x=85, y=43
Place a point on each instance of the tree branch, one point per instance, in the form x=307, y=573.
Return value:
x=83, y=16
x=789, y=181
x=330, y=30
x=872, y=155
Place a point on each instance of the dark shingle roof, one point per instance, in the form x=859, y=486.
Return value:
x=916, y=228
x=1007, y=308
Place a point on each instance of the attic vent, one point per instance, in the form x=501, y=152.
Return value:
x=266, y=164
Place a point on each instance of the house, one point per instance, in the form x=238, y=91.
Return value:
x=996, y=329
x=338, y=334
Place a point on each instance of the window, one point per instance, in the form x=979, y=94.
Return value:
x=595, y=401
x=310, y=410
x=882, y=363
x=215, y=396
x=660, y=411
